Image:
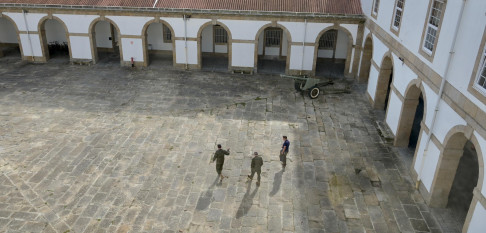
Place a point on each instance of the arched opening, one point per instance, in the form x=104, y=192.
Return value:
x=214, y=47
x=272, y=50
x=456, y=177
x=333, y=53
x=105, y=43
x=364, y=71
x=412, y=114
x=9, y=39
x=159, y=44
x=383, y=87
x=54, y=40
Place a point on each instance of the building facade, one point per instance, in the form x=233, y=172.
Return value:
x=424, y=62
x=296, y=39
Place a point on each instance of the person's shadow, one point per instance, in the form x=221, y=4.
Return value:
x=205, y=199
x=277, y=180
x=247, y=201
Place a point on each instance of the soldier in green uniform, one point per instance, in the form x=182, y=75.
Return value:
x=219, y=157
x=256, y=166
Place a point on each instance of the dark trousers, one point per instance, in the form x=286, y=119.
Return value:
x=253, y=173
x=283, y=158
x=219, y=168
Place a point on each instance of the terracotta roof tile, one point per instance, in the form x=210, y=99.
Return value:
x=349, y=7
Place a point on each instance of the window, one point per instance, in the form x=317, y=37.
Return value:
x=167, y=34
x=328, y=40
x=480, y=84
x=273, y=37
x=398, y=14
x=432, y=28
x=220, y=35
x=376, y=5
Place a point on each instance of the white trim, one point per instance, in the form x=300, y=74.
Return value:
x=481, y=68
x=433, y=27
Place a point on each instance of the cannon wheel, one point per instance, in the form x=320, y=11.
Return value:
x=314, y=92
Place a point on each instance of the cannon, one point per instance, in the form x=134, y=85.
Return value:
x=305, y=83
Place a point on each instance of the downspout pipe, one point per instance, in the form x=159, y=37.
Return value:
x=24, y=12
x=439, y=96
x=155, y=3
x=303, y=47
x=185, y=39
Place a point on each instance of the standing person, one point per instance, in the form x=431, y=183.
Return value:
x=284, y=151
x=256, y=166
x=219, y=157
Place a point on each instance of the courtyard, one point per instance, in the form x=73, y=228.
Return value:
x=105, y=148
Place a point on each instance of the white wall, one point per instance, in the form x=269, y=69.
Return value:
x=393, y=112
x=467, y=47
x=243, y=54
x=191, y=52
x=342, y=45
x=103, y=33
x=372, y=82
x=132, y=47
x=296, y=62
x=9, y=34
x=26, y=45
x=207, y=39
x=244, y=29
x=77, y=23
x=155, y=37
x=477, y=224
x=130, y=25
x=80, y=47
x=55, y=31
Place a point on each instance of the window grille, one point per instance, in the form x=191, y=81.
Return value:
x=433, y=25
x=328, y=40
x=481, y=80
x=273, y=37
x=220, y=35
x=376, y=6
x=167, y=34
x=398, y=14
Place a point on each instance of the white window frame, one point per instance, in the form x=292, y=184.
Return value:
x=376, y=6
x=481, y=70
x=433, y=27
x=398, y=9
x=167, y=34
x=220, y=36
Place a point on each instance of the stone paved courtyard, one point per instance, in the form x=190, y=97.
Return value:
x=110, y=149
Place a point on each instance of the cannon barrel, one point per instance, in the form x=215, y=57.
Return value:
x=302, y=78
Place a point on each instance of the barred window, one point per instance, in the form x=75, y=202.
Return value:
x=220, y=35
x=376, y=6
x=167, y=34
x=433, y=25
x=273, y=37
x=328, y=40
x=481, y=79
x=398, y=14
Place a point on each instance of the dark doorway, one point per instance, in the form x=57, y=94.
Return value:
x=465, y=181
x=388, y=90
x=272, y=51
x=419, y=115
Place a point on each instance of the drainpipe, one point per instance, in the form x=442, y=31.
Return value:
x=28, y=34
x=303, y=47
x=185, y=38
x=441, y=91
x=155, y=3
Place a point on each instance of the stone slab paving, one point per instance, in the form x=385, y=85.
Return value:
x=111, y=149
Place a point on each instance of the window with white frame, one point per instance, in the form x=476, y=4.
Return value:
x=328, y=40
x=397, y=19
x=167, y=34
x=376, y=5
x=220, y=35
x=273, y=37
x=480, y=84
x=433, y=26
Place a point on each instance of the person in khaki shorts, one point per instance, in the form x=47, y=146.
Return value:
x=256, y=166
